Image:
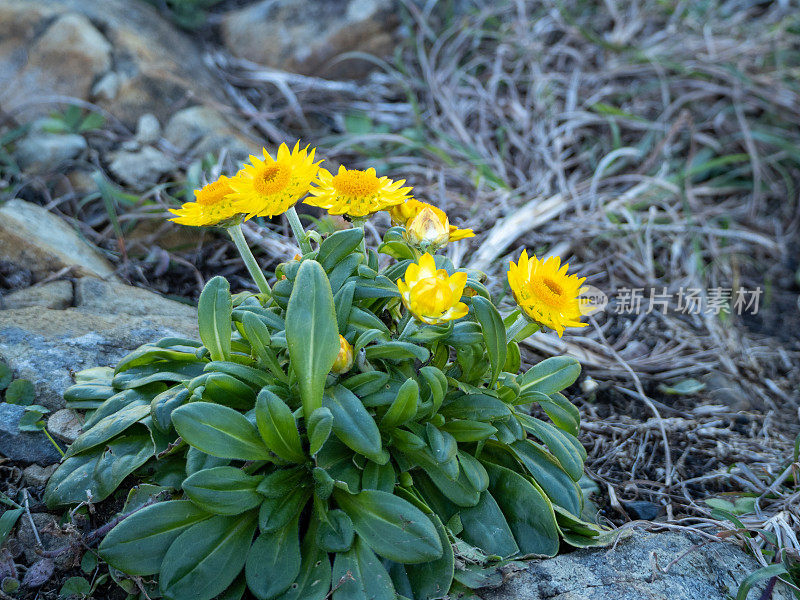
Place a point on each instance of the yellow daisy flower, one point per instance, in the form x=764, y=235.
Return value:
x=545, y=292
x=213, y=204
x=432, y=295
x=401, y=214
x=356, y=193
x=271, y=186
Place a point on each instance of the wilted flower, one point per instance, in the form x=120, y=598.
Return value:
x=356, y=193
x=432, y=295
x=545, y=292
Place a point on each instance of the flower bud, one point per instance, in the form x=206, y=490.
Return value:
x=344, y=360
x=428, y=231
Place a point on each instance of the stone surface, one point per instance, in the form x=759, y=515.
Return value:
x=35, y=239
x=642, y=510
x=306, y=36
x=42, y=151
x=148, y=129
x=712, y=572
x=120, y=53
x=36, y=476
x=23, y=446
x=53, y=539
x=65, y=425
x=54, y=294
x=142, y=168
x=200, y=129
x=107, y=321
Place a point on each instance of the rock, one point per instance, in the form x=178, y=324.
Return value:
x=122, y=54
x=36, y=476
x=642, y=510
x=43, y=151
x=39, y=573
x=108, y=321
x=24, y=446
x=65, y=425
x=140, y=169
x=727, y=392
x=94, y=296
x=280, y=34
x=626, y=572
x=33, y=238
x=53, y=539
x=148, y=129
x=54, y=294
x=200, y=129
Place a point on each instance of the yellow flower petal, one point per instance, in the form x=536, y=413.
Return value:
x=431, y=294
x=356, y=193
x=213, y=204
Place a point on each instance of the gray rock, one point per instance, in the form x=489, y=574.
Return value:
x=23, y=446
x=148, y=129
x=280, y=34
x=33, y=238
x=141, y=169
x=36, y=476
x=108, y=321
x=54, y=539
x=727, y=392
x=39, y=573
x=642, y=510
x=65, y=425
x=54, y=294
x=200, y=129
x=44, y=151
x=629, y=572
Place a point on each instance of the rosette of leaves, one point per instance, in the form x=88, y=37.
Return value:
x=292, y=482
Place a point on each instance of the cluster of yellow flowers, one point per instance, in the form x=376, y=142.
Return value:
x=542, y=289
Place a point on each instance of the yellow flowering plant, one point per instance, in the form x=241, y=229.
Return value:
x=353, y=430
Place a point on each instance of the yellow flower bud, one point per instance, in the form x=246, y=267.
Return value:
x=403, y=213
x=428, y=231
x=432, y=295
x=344, y=360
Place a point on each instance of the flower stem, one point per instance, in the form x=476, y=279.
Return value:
x=49, y=437
x=235, y=231
x=521, y=329
x=297, y=230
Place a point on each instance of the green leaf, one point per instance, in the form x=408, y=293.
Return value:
x=494, y=333
x=7, y=521
x=337, y=246
x=278, y=427
x=314, y=580
x=437, y=385
x=138, y=544
x=353, y=425
x=359, y=575
x=551, y=375
x=319, y=429
x=397, y=351
x=312, y=334
x=558, y=444
x=109, y=427
x=205, y=559
x=75, y=586
x=223, y=490
x=404, y=406
x=528, y=513
x=273, y=562
x=551, y=477
x=469, y=431
x=20, y=391
x=219, y=431
x=475, y=407
x=562, y=412
x=6, y=375
x=276, y=512
x=486, y=527
x=687, y=387
x=759, y=575
x=391, y=526
x=459, y=491
x=214, y=318
x=336, y=533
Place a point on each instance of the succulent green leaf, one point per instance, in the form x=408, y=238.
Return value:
x=273, y=562
x=223, y=490
x=219, y=431
x=391, y=526
x=353, y=425
x=551, y=375
x=494, y=333
x=336, y=533
x=312, y=333
x=319, y=427
x=138, y=544
x=359, y=575
x=278, y=427
x=214, y=317
x=205, y=559
x=276, y=513
x=337, y=246
x=485, y=527
x=404, y=406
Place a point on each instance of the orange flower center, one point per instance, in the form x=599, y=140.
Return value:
x=212, y=193
x=271, y=179
x=546, y=290
x=359, y=184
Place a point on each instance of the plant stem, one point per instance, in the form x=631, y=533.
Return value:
x=49, y=437
x=520, y=325
x=235, y=231
x=297, y=230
